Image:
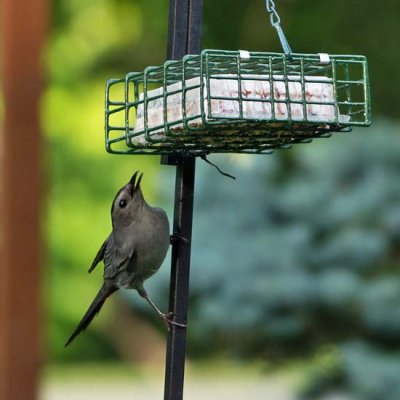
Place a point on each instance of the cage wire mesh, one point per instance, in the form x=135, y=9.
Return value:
x=235, y=102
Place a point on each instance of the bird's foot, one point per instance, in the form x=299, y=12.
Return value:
x=167, y=318
x=176, y=238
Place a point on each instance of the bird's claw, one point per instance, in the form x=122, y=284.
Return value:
x=167, y=318
x=176, y=238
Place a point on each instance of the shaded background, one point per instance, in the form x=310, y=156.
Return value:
x=295, y=265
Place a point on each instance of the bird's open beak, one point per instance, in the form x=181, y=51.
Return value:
x=133, y=179
x=135, y=184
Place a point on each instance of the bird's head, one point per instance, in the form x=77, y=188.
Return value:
x=128, y=202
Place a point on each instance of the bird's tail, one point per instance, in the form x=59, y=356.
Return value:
x=106, y=290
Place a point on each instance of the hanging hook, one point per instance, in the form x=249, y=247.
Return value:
x=275, y=20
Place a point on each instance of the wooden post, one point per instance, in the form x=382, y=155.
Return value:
x=22, y=25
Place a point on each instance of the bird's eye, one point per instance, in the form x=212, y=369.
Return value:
x=122, y=203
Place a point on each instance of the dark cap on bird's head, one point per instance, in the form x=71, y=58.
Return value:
x=128, y=198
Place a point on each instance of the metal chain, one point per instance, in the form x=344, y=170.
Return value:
x=274, y=16
x=276, y=23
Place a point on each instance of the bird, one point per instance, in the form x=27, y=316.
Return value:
x=133, y=252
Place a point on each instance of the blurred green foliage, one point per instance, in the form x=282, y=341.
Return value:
x=302, y=252
x=299, y=252
x=356, y=371
x=300, y=249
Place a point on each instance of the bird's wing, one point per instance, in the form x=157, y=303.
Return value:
x=115, y=259
x=99, y=256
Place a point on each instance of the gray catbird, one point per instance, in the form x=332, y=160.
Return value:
x=133, y=252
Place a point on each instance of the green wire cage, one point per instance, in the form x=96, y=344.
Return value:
x=236, y=101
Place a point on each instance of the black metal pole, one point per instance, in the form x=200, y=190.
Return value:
x=180, y=269
x=184, y=37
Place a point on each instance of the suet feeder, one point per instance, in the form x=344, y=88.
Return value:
x=236, y=102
